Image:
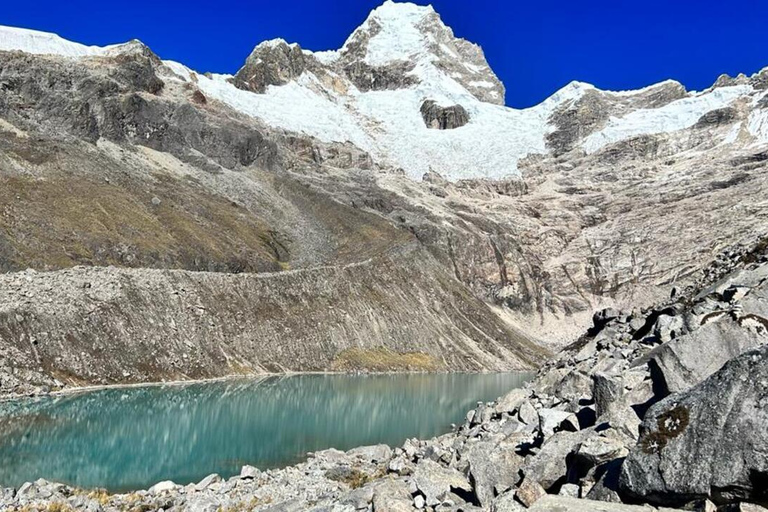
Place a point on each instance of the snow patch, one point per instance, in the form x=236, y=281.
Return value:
x=678, y=115
x=43, y=43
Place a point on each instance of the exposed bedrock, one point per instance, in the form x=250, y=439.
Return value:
x=443, y=118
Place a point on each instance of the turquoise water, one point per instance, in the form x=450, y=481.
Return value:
x=130, y=438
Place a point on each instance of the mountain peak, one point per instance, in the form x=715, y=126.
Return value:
x=398, y=33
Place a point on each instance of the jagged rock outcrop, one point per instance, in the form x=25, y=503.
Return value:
x=443, y=118
x=271, y=63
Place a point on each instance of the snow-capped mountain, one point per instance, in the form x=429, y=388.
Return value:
x=372, y=90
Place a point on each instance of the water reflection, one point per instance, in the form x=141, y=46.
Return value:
x=126, y=439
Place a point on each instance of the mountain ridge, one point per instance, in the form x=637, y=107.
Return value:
x=370, y=91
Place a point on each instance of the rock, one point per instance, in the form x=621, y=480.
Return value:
x=419, y=502
x=574, y=386
x=550, y=465
x=400, y=465
x=552, y=419
x=750, y=507
x=530, y=492
x=206, y=482
x=359, y=499
x=600, y=448
x=249, y=472
x=512, y=401
x=202, y=503
x=506, y=503
x=434, y=480
x=601, y=318
x=680, y=364
x=612, y=406
x=608, y=392
x=162, y=487
x=375, y=453
x=528, y=414
x=443, y=118
x=493, y=468
x=668, y=327
x=553, y=503
x=392, y=496
x=702, y=443
x=569, y=490
x=606, y=482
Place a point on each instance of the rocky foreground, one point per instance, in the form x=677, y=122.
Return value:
x=666, y=407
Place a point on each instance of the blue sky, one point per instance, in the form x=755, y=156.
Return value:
x=535, y=46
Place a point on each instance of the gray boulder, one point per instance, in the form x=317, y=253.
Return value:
x=512, y=401
x=507, y=503
x=684, y=362
x=494, y=469
x=434, y=480
x=709, y=442
x=374, y=453
x=553, y=503
x=550, y=466
x=551, y=420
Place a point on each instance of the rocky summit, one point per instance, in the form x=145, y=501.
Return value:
x=378, y=208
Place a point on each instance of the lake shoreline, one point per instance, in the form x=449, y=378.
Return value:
x=75, y=389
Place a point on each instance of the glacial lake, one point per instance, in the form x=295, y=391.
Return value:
x=124, y=439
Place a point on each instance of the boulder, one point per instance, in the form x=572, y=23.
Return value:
x=612, y=404
x=493, y=468
x=600, y=448
x=530, y=492
x=391, y=495
x=375, y=453
x=162, y=487
x=249, y=472
x=601, y=318
x=574, y=386
x=608, y=392
x=507, y=503
x=553, y=503
x=511, y=401
x=668, y=327
x=359, y=499
x=570, y=490
x=708, y=442
x=550, y=465
x=684, y=362
x=527, y=413
x=553, y=419
x=434, y=480
x=605, y=478
x=208, y=481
